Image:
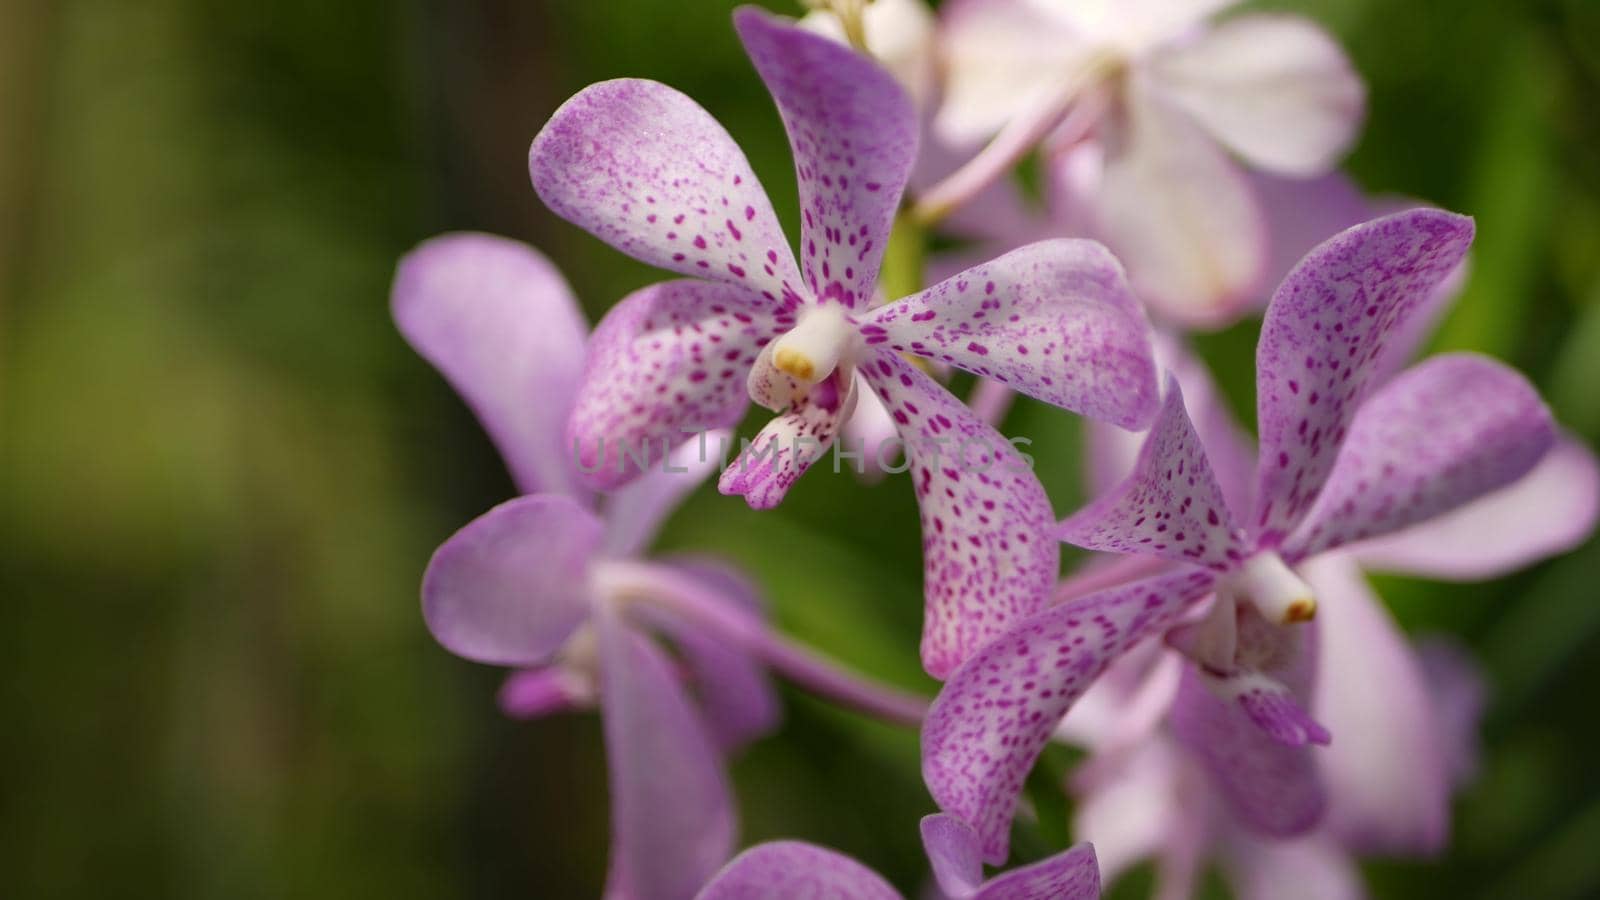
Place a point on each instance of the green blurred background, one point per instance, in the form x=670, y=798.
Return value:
x=223, y=471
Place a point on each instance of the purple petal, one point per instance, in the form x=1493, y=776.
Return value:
x=1456, y=685
x=669, y=360
x=1072, y=874
x=854, y=134
x=1325, y=335
x=986, y=560
x=1314, y=867
x=1270, y=706
x=498, y=321
x=871, y=432
x=1272, y=787
x=1386, y=773
x=1546, y=512
x=1441, y=435
x=788, y=445
x=647, y=170
x=636, y=512
x=672, y=807
x=533, y=693
x=1304, y=212
x=736, y=696
x=952, y=848
x=512, y=585
x=792, y=870
x=1170, y=507
x=995, y=714
x=1054, y=320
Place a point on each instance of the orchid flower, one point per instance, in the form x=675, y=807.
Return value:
x=1139, y=103
x=647, y=170
x=1346, y=456
x=897, y=33
x=793, y=870
x=554, y=582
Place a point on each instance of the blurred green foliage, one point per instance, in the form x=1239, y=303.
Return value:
x=223, y=471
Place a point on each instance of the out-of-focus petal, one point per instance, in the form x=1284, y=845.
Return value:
x=1054, y=320
x=1073, y=874
x=668, y=361
x=1135, y=26
x=512, y=585
x=1179, y=214
x=952, y=848
x=792, y=870
x=1275, y=89
x=1459, y=692
x=1272, y=787
x=1437, y=437
x=1325, y=335
x=871, y=432
x=995, y=714
x=1546, y=512
x=634, y=513
x=1386, y=773
x=1131, y=813
x=899, y=35
x=672, y=807
x=1269, y=705
x=1170, y=506
x=787, y=446
x=986, y=559
x=531, y=693
x=647, y=170
x=500, y=323
x=854, y=134
x=1314, y=867
x=1302, y=213
x=1002, y=58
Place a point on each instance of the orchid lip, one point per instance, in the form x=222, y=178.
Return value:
x=809, y=352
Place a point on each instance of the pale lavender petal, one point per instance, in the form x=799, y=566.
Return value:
x=1001, y=59
x=854, y=134
x=952, y=848
x=792, y=870
x=1072, y=874
x=1179, y=214
x=788, y=445
x=634, y=513
x=1270, y=706
x=987, y=561
x=899, y=35
x=500, y=323
x=871, y=432
x=1135, y=805
x=735, y=695
x=668, y=361
x=647, y=170
x=1325, y=335
x=512, y=585
x=672, y=807
x=1460, y=694
x=1054, y=320
x=1135, y=26
x=1439, y=436
x=1546, y=512
x=1304, y=212
x=1313, y=867
x=1170, y=506
x=533, y=693
x=1275, y=89
x=998, y=710
x=1386, y=773
x=1271, y=787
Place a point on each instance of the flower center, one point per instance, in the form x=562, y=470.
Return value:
x=1264, y=591
x=811, y=350
x=1268, y=584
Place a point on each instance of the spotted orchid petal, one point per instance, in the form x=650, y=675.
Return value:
x=1170, y=506
x=672, y=807
x=1054, y=320
x=1546, y=512
x=1178, y=213
x=1314, y=867
x=792, y=870
x=854, y=134
x=1387, y=771
x=1269, y=705
x=986, y=563
x=647, y=170
x=952, y=848
x=500, y=323
x=1073, y=874
x=1276, y=89
x=511, y=586
x=995, y=714
x=1002, y=60
x=1272, y=787
x=1442, y=434
x=1324, y=339
x=771, y=463
x=634, y=513
x=668, y=361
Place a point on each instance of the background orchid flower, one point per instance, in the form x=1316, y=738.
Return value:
x=1345, y=457
x=898, y=33
x=646, y=169
x=1140, y=104
x=793, y=870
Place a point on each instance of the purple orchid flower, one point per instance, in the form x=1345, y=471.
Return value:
x=555, y=583
x=1346, y=457
x=647, y=170
x=793, y=870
